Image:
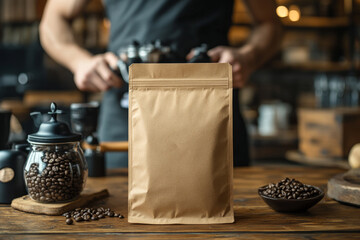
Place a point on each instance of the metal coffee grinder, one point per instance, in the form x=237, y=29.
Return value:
x=84, y=120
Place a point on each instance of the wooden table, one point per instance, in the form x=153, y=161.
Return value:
x=254, y=219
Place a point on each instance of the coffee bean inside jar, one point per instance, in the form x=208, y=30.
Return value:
x=55, y=173
x=55, y=170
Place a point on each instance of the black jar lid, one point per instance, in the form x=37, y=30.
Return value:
x=53, y=131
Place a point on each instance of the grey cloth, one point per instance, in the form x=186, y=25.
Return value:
x=113, y=125
x=184, y=24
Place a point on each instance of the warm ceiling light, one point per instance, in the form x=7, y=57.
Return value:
x=282, y=11
x=294, y=13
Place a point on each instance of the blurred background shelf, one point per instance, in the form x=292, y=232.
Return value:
x=318, y=22
x=310, y=22
x=274, y=147
x=322, y=38
x=319, y=66
x=298, y=157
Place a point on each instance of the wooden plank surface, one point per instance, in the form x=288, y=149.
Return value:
x=226, y=236
x=252, y=215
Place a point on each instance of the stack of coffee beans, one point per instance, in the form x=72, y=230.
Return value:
x=89, y=214
x=289, y=189
x=57, y=178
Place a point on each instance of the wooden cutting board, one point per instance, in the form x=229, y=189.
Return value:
x=26, y=204
x=345, y=187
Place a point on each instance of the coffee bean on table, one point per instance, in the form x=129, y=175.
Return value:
x=89, y=214
x=69, y=221
x=289, y=189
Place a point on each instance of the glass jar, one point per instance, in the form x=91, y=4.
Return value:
x=55, y=172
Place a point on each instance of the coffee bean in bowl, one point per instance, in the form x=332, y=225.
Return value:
x=290, y=195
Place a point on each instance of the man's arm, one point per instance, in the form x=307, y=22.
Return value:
x=263, y=43
x=91, y=73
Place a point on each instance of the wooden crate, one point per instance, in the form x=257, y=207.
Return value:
x=328, y=132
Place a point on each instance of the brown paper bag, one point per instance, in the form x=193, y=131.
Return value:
x=180, y=143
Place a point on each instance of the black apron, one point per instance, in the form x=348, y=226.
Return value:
x=185, y=24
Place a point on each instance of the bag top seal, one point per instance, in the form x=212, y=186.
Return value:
x=181, y=75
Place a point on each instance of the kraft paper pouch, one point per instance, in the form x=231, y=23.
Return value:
x=180, y=143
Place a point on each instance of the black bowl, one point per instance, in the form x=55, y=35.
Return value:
x=291, y=205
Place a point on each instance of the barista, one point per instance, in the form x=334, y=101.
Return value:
x=185, y=23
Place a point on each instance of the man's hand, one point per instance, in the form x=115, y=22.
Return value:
x=95, y=74
x=240, y=59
